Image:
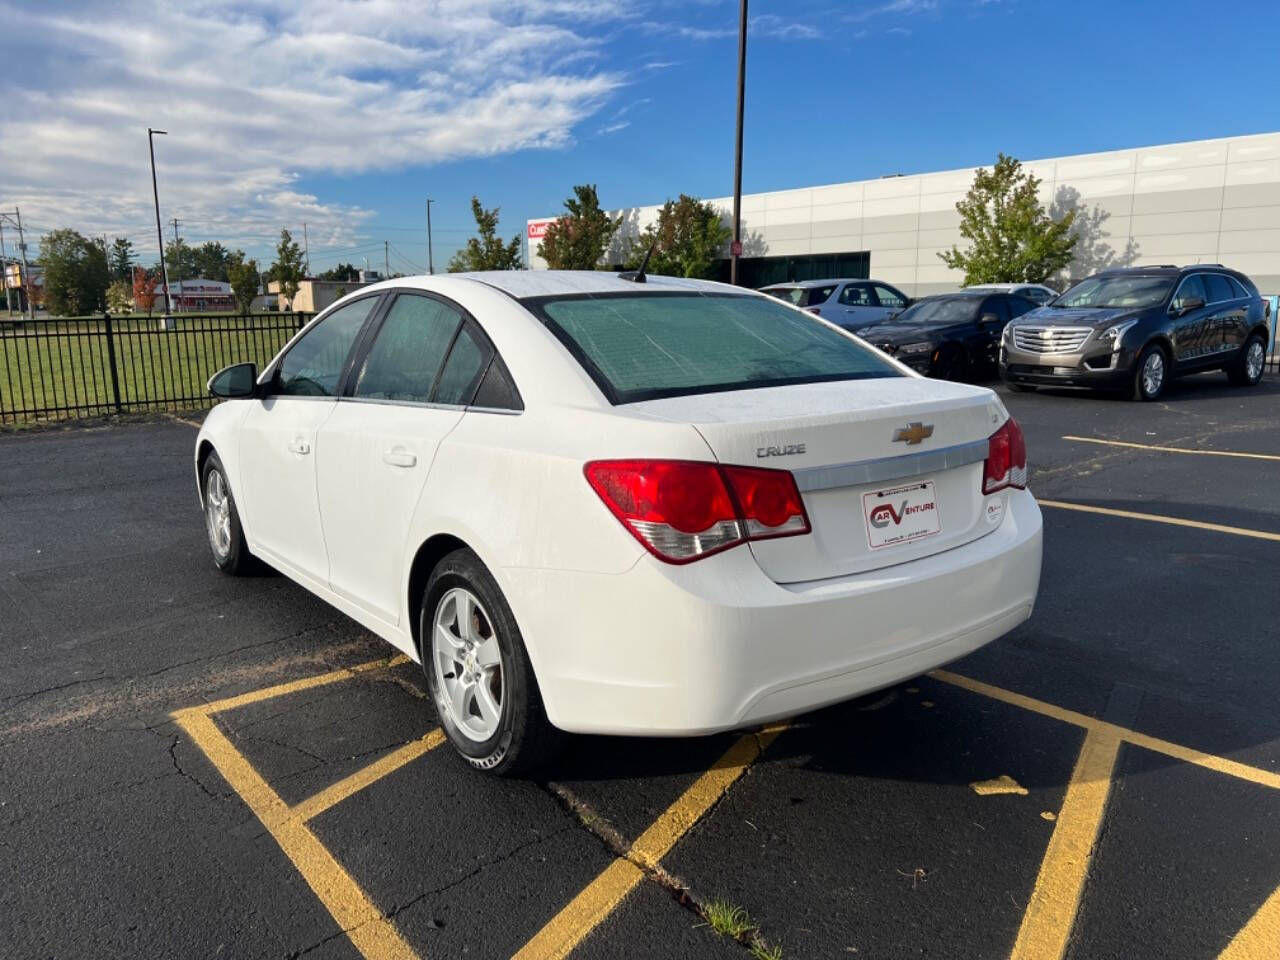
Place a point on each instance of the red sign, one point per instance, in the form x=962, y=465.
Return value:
x=538, y=230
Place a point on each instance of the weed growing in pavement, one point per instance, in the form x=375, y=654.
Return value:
x=727, y=920
x=761, y=951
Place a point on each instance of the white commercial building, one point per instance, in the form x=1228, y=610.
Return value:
x=1209, y=201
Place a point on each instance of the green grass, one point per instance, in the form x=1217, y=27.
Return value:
x=727, y=920
x=64, y=364
x=761, y=951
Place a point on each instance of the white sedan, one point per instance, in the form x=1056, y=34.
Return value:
x=589, y=504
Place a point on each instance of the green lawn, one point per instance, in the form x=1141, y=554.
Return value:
x=60, y=368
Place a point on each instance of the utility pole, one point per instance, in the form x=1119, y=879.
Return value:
x=16, y=219
x=431, y=264
x=164, y=272
x=386, y=259
x=177, y=252
x=306, y=249
x=736, y=250
x=4, y=268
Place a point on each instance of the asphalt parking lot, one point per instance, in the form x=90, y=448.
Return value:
x=197, y=766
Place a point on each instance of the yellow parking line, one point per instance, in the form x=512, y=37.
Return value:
x=334, y=794
x=602, y=896
x=293, y=686
x=370, y=932
x=1157, y=518
x=1055, y=899
x=1160, y=449
x=1209, y=761
x=1259, y=938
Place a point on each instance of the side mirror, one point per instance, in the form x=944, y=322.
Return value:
x=237, y=380
x=1189, y=304
x=987, y=318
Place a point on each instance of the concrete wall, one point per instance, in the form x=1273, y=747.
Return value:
x=1215, y=201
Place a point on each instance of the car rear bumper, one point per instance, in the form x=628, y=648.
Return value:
x=715, y=645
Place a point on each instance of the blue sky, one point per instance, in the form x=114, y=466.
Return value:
x=347, y=115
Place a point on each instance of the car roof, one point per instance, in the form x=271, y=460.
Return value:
x=1166, y=270
x=1005, y=286
x=523, y=284
x=806, y=284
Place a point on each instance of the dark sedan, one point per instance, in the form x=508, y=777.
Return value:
x=954, y=336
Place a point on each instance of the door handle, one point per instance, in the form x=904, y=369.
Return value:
x=299, y=445
x=399, y=457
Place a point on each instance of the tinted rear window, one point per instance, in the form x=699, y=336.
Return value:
x=644, y=346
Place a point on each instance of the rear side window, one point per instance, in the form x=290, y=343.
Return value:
x=497, y=389
x=462, y=371
x=313, y=366
x=407, y=352
x=644, y=346
x=1237, y=288
x=818, y=295
x=856, y=295
x=1218, y=287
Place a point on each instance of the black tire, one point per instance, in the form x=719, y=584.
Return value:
x=524, y=737
x=232, y=556
x=1142, y=389
x=1238, y=370
x=1022, y=388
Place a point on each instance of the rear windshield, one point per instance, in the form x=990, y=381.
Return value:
x=644, y=346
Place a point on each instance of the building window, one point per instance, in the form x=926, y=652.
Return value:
x=756, y=272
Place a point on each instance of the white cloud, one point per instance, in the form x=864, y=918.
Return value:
x=258, y=93
x=901, y=7
x=766, y=25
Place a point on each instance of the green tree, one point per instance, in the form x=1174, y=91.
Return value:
x=288, y=268
x=487, y=251
x=688, y=239
x=345, y=272
x=212, y=261
x=120, y=297
x=75, y=273
x=122, y=258
x=243, y=277
x=1011, y=237
x=579, y=239
x=180, y=260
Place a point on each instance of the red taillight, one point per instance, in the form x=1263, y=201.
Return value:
x=1006, y=464
x=683, y=511
x=816, y=310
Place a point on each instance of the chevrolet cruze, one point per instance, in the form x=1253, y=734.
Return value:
x=589, y=503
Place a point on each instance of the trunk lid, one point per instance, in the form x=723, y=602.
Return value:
x=838, y=440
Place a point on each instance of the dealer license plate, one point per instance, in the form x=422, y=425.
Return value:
x=901, y=514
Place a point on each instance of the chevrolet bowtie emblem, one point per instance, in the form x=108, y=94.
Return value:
x=913, y=433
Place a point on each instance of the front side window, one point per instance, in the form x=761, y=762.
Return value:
x=1192, y=288
x=1019, y=305
x=313, y=366
x=406, y=354
x=856, y=295
x=1134, y=292
x=890, y=297
x=645, y=346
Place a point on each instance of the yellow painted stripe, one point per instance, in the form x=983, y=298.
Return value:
x=369, y=931
x=1055, y=899
x=293, y=686
x=603, y=895
x=1232, y=768
x=332, y=795
x=1157, y=518
x=1260, y=937
x=1159, y=449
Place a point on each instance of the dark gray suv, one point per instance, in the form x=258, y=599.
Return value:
x=1135, y=329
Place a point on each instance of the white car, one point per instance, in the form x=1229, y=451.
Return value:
x=1037, y=293
x=589, y=504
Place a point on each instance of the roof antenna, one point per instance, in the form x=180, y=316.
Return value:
x=637, y=276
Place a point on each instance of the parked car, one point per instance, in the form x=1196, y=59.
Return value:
x=852, y=304
x=506, y=476
x=1134, y=329
x=1037, y=293
x=952, y=336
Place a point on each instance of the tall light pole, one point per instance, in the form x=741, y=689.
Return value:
x=736, y=250
x=164, y=271
x=431, y=264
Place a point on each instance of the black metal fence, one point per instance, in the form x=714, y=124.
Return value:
x=51, y=369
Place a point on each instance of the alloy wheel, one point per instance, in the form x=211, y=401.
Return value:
x=1153, y=373
x=218, y=514
x=468, y=665
x=1253, y=361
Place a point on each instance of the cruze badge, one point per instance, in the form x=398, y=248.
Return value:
x=789, y=450
x=913, y=433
